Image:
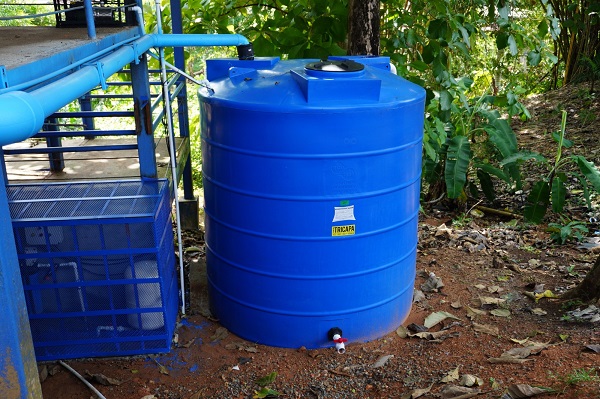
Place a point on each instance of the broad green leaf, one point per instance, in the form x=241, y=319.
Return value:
x=487, y=186
x=419, y=65
x=266, y=380
x=457, y=163
x=445, y=100
x=492, y=170
x=504, y=10
x=523, y=156
x=503, y=137
x=265, y=393
x=537, y=202
x=534, y=58
x=501, y=40
x=589, y=171
x=465, y=36
x=542, y=28
x=429, y=150
x=438, y=29
x=566, y=143
x=512, y=45
x=559, y=193
x=585, y=188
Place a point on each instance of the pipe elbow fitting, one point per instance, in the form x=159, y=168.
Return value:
x=23, y=116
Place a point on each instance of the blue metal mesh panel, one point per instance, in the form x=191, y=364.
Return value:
x=98, y=270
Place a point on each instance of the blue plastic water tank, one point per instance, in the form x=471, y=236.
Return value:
x=311, y=184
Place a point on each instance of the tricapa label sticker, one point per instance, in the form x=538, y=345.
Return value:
x=347, y=230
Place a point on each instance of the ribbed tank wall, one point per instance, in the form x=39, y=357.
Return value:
x=311, y=201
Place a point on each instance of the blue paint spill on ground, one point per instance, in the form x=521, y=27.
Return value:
x=194, y=368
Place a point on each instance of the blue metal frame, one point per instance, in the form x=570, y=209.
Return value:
x=36, y=91
x=182, y=109
x=18, y=368
x=142, y=101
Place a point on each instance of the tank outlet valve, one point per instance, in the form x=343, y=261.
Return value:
x=335, y=334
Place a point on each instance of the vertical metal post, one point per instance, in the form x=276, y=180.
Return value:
x=57, y=159
x=3, y=167
x=85, y=104
x=18, y=369
x=143, y=118
x=89, y=19
x=182, y=106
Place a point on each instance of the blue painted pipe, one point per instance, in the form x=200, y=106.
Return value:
x=89, y=19
x=24, y=112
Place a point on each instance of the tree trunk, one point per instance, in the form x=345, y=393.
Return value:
x=363, y=27
x=589, y=289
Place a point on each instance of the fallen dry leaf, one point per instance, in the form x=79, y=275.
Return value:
x=418, y=296
x=593, y=348
x=469, y=380
x=219, y=334
x=522, y=391
x=488, y=300
x=381, y=361
x=456, y=392
x=417, y=393
x=494, y=289
x=473, y=313
x=509, y=359
x=451, y=376
x=437, y=317
x=402, y=332
x=500, y=312
x=101, y=379
x=545, y=294
x=188, y=344
x=432, y=284
x=486, y=329
x=522, y=353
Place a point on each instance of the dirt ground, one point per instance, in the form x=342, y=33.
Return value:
x=504, y=332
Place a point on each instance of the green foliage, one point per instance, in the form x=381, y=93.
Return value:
x=552, y=189
x=266, y=380
x=266, y=392
x=457, y=162
x=567, y=231
x=579, y=376
x=474, y=59
x=292, y=29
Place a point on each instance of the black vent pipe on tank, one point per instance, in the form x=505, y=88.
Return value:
x=245, y=51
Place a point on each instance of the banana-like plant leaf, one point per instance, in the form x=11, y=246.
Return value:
x=515, y=174
x=585, y=188
x=487, y=186
x=537, y=202
x=492, y=170
x=523, y=156
x=559, y=193
x=457, y=163
x=589, y=171
x=565, y=143
x=503, y=137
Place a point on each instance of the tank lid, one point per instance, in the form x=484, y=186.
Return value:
x=335, y=66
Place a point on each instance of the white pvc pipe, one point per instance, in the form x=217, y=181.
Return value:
x=76, y=374
x=167, y=105
x=140, y=19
